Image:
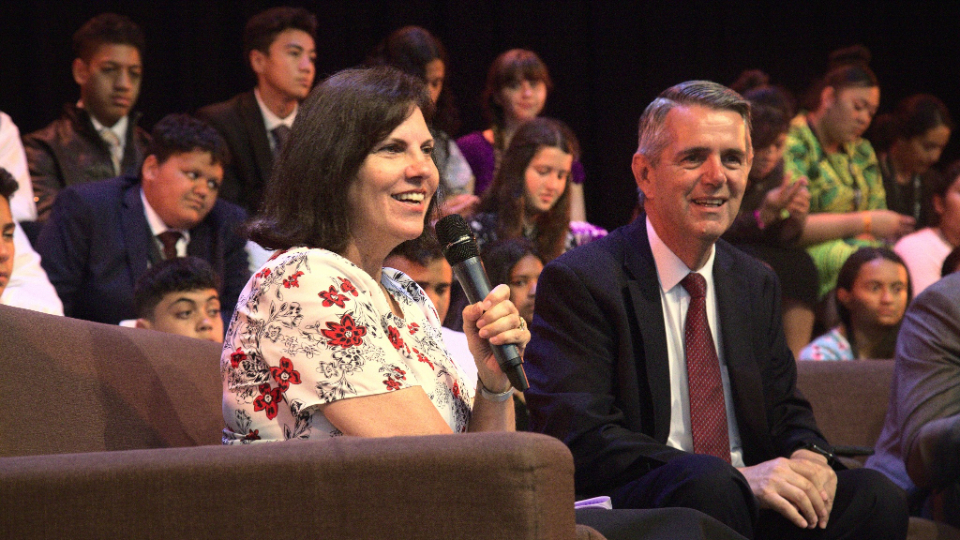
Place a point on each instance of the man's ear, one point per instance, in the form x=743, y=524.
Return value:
x=150, y=168
x=642, y=170
x=257, y=61
x=828, y=96
x=143, y=323
x=81, y=71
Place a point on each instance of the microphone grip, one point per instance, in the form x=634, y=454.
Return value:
x=473, y=279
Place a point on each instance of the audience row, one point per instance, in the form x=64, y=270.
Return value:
x=150, y=230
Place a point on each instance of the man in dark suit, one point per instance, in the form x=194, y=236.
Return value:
x=102, y=236
x=670, y=398
x=98, y=137
x=280, y=46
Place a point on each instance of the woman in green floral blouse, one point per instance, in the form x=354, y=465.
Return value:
x=847, y=202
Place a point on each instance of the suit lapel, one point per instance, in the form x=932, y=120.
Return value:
x=644, y=290
x=746, y=386
x=135, y=230
x=253, y=122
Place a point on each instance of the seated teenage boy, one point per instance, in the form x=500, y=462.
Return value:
x=179, y=296
x=102, y=236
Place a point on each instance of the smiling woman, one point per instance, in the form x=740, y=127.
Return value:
x=325, y=341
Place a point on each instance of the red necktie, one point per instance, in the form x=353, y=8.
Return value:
x=169, y=241
x=708, y=412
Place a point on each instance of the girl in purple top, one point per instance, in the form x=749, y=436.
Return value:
x=516, y=91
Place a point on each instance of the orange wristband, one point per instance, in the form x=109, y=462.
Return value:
x=867, y=222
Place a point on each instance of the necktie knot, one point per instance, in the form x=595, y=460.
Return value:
x=109, y=137
x=695, y=284
x=280, y=135
x=169, y=240
x=113, y=143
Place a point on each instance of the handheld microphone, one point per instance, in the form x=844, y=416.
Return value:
x=463, y=254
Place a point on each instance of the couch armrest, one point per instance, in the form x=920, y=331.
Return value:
x=489, y=485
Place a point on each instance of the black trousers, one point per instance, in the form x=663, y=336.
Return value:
x=866, y=505
x=658, y=524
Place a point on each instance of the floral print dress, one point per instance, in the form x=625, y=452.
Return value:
x=312, y=328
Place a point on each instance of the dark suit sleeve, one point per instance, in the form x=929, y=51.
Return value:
x=236, y=265
x=927, y=391
x=64, y=247
x=45, y=174
x=576, y=363
x=789, y=415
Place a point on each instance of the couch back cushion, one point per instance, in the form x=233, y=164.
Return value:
x=78, y=386
x=849, y=399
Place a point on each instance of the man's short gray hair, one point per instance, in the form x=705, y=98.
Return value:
x=653, y=139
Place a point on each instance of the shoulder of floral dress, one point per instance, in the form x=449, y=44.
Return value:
x=326, y=260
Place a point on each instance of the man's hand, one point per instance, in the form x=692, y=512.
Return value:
x=800, y=488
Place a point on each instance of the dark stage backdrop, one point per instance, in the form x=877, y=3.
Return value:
x=608, y=58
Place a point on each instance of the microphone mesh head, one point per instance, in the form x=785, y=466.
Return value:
x=456, y=239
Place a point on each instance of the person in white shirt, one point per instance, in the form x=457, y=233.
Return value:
x=28, y=286
x=925, y=250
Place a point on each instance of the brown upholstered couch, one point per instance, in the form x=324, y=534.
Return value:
x=850, y=403
x=109, y=432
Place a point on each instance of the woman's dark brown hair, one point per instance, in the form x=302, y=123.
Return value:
x=848, y=275
x=410, y=49
x=771, y=107
x=507, y=195
x=511, y=67
x=337, y=126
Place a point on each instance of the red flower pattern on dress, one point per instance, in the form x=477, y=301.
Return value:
x=346, y=334
x=348, y=287
x=394, y=335
x=268, y=400
x=393, y=378
x=236, y=357
x=424, y=359
x=276, y=254
x=292, y=281
x=285, y=375
x=332, y=297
